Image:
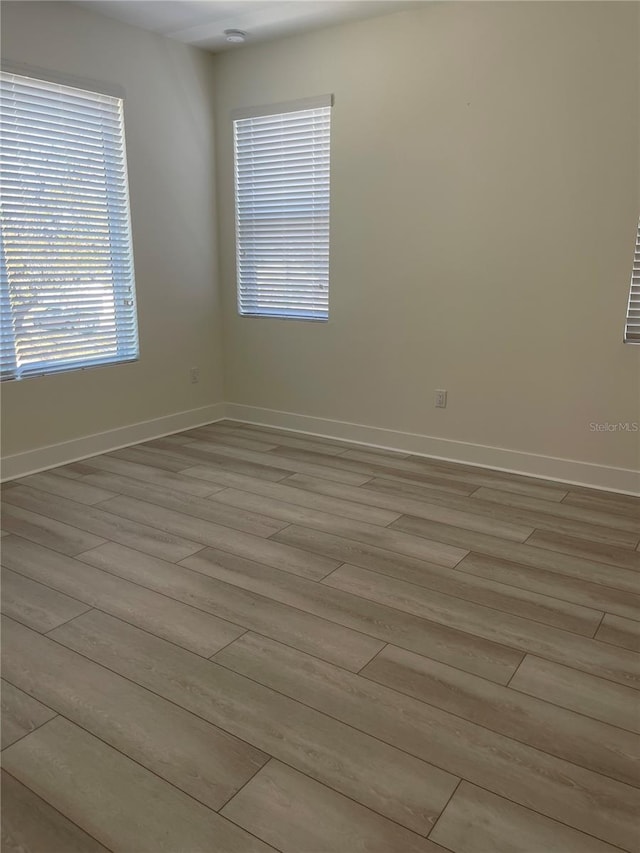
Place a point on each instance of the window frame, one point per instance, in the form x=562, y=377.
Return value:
x=123, y=354
x=266, y=111
x=633, y=303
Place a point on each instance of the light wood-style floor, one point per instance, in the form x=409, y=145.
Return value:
x=240, y=639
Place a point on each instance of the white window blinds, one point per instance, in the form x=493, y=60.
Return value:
x=282, y=159
x=67, y=293
x=632, y=327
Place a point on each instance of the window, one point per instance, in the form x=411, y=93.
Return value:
x=632, y=327
x=282, y=209
x=67, y=293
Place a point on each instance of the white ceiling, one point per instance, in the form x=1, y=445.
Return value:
x=202, y=22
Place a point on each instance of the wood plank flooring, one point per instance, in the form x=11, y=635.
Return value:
x=239, y=639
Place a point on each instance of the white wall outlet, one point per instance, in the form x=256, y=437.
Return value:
x=194, y=374
x=441, y=398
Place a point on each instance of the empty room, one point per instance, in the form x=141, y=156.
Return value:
x=320, y=400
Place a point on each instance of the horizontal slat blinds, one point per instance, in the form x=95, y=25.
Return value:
x=632, y=328
x=282, y=213
x=67, y=292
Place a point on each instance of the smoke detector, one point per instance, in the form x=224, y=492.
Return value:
x=235, y=36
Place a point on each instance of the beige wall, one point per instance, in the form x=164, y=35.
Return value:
x=485, y=195
x=485, y=191
x=168, y=116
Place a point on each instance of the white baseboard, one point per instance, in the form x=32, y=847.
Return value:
x=570, y=471
x=42, y=458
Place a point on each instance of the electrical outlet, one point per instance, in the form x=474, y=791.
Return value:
x=194, y=374
x=441, y=398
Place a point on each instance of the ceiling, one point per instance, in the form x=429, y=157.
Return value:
x=202, y=22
